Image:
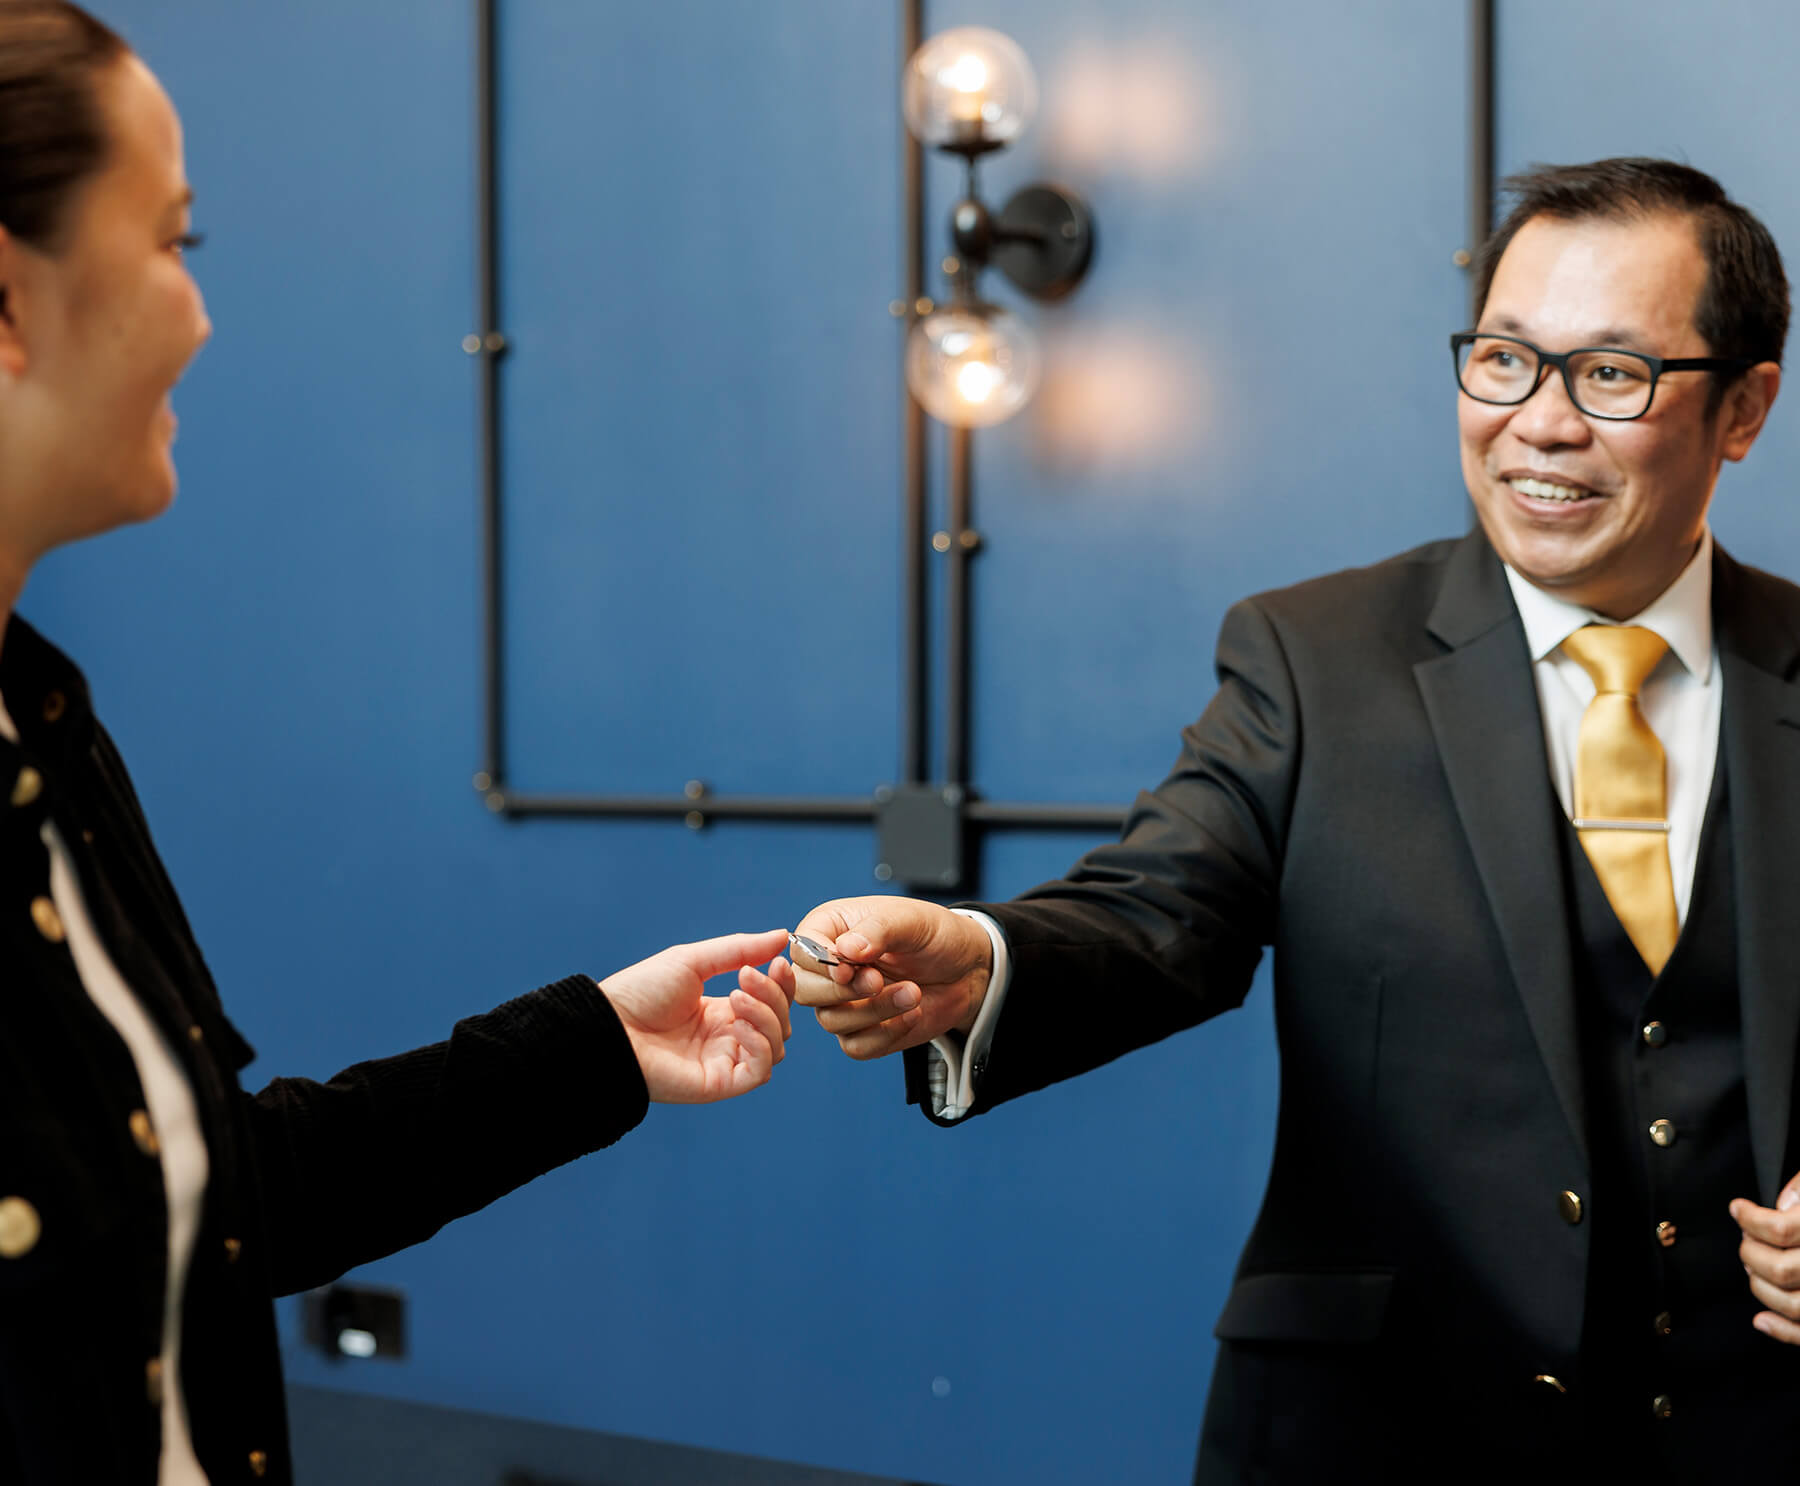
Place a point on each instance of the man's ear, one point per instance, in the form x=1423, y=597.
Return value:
x=1747, y=407
x=12, y=344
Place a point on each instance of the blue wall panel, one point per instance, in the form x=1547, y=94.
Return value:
x=701, y=235
x=701, y=224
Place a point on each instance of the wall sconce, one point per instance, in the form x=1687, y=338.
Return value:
x=969, y=92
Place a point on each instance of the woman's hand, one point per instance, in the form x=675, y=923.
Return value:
x=694, y=1048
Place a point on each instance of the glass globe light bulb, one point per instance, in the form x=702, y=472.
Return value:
x=969, y=88
x=972, y=368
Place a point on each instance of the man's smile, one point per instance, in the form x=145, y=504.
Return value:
x=1558, y=490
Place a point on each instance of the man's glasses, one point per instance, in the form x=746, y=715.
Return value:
x=1603, y=382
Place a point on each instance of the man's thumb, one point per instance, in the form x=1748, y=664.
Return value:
x=904, y=928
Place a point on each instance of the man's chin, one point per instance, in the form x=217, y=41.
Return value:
x=1557, y=567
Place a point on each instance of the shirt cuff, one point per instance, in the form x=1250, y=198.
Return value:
x=954, y=1064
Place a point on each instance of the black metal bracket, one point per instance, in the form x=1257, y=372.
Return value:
x=1042, y=240
x=926, y=829
x=920, y=836
x=1481, y=136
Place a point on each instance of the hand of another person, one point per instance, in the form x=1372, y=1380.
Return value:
x=1771, y=1254
x=916, y=970
x=694, y=1048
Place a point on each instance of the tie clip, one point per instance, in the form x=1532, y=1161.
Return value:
x=1582, y=823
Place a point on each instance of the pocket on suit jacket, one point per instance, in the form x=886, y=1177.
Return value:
x=1306, y=1306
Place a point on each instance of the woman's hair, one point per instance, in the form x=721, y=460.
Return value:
x=52, y=135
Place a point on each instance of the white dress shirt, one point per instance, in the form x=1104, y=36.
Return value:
x=1681, y=700
x=169, y=1100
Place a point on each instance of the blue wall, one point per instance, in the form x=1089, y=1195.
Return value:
x=702, y=237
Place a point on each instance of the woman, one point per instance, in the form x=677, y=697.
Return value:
x=149, y=1207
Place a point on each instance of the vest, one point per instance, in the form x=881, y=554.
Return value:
x=1671, y=1366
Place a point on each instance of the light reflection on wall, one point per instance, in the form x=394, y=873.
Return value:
x=1143, y=110
x=1134, y=112
x=1118, y=398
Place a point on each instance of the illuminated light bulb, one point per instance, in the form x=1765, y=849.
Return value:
x=972, y=367
x=966, y=77
x=967, y=74
x=976, y=380
x=969, y=87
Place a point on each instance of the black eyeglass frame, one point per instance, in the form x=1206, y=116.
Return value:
x=1560, y=361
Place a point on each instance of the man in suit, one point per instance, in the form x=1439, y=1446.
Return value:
x=1516, y=813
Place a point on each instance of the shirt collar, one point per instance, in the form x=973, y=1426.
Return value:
x=1681, y=614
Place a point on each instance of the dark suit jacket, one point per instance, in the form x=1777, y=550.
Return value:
x=306, y=1179
x=1368, y=794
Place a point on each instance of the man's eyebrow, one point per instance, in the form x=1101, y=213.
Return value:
x=1625, y=340
x=1614, y=335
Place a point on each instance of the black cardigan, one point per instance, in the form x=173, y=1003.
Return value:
x=307, y=1179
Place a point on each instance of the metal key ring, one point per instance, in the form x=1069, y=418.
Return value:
x=824, y=956
x=815, y=951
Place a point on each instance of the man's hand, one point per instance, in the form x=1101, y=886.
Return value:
x=915, y=971
x=1771, y=1255
x=694, y=1048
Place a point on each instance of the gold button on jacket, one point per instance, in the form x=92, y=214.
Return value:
x=1571, y=1207
x=20, y=1227
x=1663, y=1132
x=48, y=920
x=144, y=1133
x=28, y=786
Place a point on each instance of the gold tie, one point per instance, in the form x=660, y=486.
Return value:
x=1621, y=794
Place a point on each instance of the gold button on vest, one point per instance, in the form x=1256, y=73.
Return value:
x=1621, y=788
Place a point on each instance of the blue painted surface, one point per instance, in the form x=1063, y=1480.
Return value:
x=702, y=237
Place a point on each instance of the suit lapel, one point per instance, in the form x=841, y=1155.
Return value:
x=1482, y=702
x=1760, y=746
